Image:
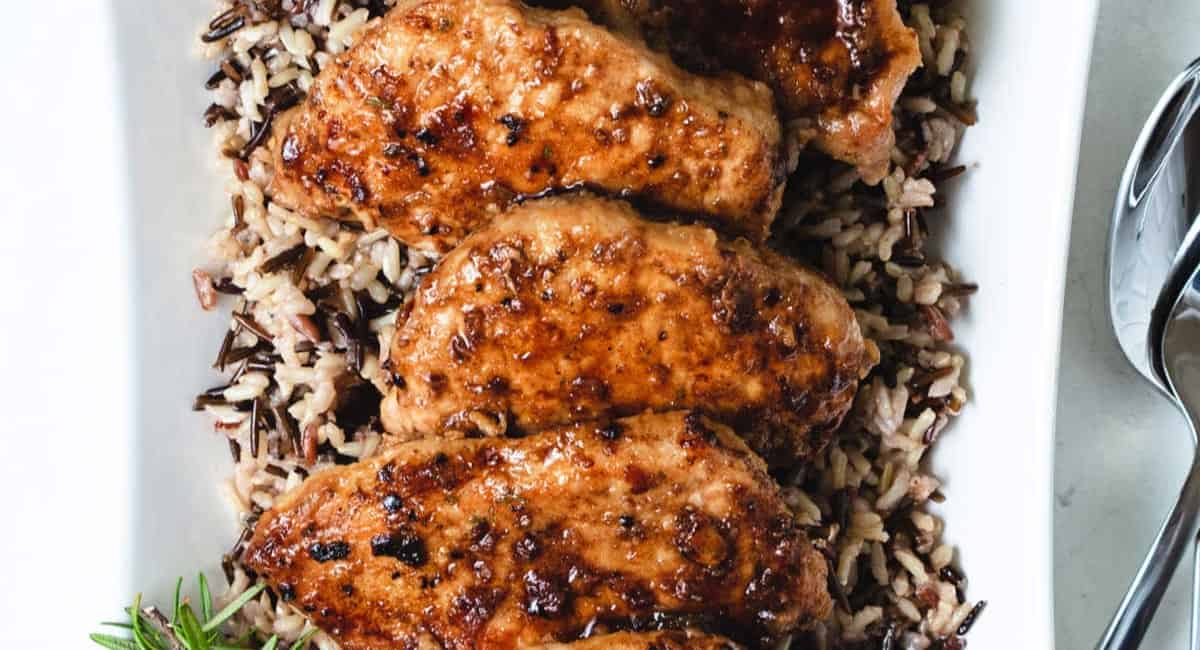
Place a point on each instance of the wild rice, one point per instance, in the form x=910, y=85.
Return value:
x=313, y=304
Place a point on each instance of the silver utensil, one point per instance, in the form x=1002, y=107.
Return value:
x=1149, y=263
x=1149, y=222
x=1179, y=363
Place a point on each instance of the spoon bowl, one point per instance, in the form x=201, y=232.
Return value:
x=1180, y=349
x=1155, y=208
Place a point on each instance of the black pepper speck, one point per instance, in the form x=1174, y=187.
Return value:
x=337, y=550
x=426, y=136
x=611, y=431
x=404, y=545
x=392, y=503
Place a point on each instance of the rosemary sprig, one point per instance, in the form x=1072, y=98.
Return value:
x=149, y=629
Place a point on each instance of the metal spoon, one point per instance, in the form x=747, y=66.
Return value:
x=1149, y=222
x=1152, y=229
x=1177, y=360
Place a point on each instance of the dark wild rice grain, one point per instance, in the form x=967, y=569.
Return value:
x=202, y=400
x=226, y=344
x=284, y=259
x=224, y=29
x=301, y=267
x=287, y=425
x=889, y=638
x=227, y=287
x=232, y=70
x=254, y=430
x=275, y=470
x=238, y=355
x=964, y=113
x=247, y=321
x=217, y=113
x=225, y=17
x=945, y=173
x=969, y=621
x=258, y=136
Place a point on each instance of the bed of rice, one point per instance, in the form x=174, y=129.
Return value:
x=312, y=304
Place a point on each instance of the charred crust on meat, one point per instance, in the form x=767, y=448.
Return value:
x=652, y=98
x=403, y=544
x=436, y=381
x=386, y=474
x=765, y=587
x=638, y=597
x=701, y=540
x=483, y=538
x=426, y=136
x=460, y=348
x=474, y=607
x=640, y=481
x=551, y=52
x=610, y=431
x=734, y=305
x=488, y=457
x=422, y=169
x=497, y=385
x=589, y=388
x=392, y=503
x=358, y=191
x=772, y=297
x=515, y=125
x=546, y=595
x=330, y=551
x=527, y=548
x=697, y=433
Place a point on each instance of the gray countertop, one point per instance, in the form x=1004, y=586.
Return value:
x=1121, y=450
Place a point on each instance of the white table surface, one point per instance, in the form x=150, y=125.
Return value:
x=1121, y=450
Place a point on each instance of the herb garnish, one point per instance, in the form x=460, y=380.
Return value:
x=149, y=628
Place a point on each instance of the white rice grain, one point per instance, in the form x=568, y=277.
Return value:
x=912, y=564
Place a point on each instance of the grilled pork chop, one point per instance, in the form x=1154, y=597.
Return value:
x=448, y=111
x=655, y=521
x=841, y=63
x=574, y=308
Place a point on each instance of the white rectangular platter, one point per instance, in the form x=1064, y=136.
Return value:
x=111, y=479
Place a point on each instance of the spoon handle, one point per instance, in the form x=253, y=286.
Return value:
x=1194, y=636
x=1177, y=534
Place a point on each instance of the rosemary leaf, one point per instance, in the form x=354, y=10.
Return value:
x=149, y=628
x=189, y=628
x=114, y=643
x=205, y=599
x=233, y=607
